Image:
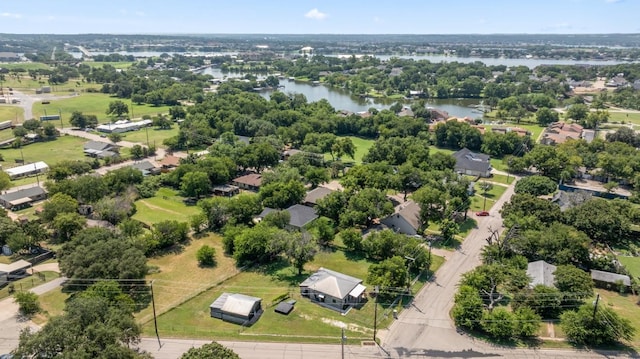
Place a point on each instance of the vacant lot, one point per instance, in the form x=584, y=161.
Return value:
x=362, y=148
x=90, y=104
x=477, y=201
x=166, y=205
x=156, y=136
x=11, y=113
x=117, y=65
x=52, y=304
x=624, y=117
x=51, y=152
x=632, y=264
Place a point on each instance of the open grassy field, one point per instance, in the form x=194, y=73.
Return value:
x=117, y=65
x=51, y=152
x=166, y=205
x=477, y=201
x=52, y=304
x=11, y=113
x=632, y=264
x=24, y=65
x=90, y=104
x=362, y=148
x=308, y=322
x=626, y=117
x=28, y=283
x=179, y=277
x=155, y=135
x=625, y=305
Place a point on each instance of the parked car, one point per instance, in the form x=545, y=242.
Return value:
x=482, y=213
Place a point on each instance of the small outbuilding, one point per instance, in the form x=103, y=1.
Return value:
x=226, y=190
x=284, y=308
x=237, y=308
x=542, y=273
x=607, y=279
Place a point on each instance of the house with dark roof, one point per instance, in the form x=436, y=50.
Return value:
x=607, y=279
x=541, y=273
x=405, y=219
x=333, y=289
x=316, y=194
x=299, y=216
x=147, y=168
x=226, y=190
x=236, y=308
x=472, y=164
x=250, y=182
x=100, y=149
x=22, y=198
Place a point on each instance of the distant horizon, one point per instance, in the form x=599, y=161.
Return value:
x=420, y=17
x=325, y=34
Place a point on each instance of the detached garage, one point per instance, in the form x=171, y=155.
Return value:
x=237, y=308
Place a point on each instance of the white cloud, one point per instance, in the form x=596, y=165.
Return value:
x=316, y=14
x=9, y=14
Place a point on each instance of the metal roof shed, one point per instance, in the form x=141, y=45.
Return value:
x=236, y=308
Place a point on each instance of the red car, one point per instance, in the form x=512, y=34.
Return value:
x=482, y=214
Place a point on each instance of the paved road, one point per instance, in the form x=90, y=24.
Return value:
x=426, y=324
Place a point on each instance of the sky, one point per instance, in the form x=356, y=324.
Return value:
x=319, y=16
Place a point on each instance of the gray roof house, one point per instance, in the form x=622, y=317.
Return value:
x=236, y=308
x=147, y=168
x=333, y=289
x=472, y=164
x=22, y=198
x=299, y=215
x=541, y=272
x=406, y=218
x=13, y=271
x=318, y=193
x=100, y=149
x=606, y=279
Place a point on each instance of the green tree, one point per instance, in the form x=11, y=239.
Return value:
x=167, y=233
x=130, y=228
x=577, y=112
x=115, y=137
x=574, y=284
x=27, y=302
x=527, y=322
x=499, y=323
x=195, y=184
x=117, y=108
x=59, y=203
x=323, y=230
x=391, y=272
x=352, y=239
x=137, y=152
x=605, y=327
x=300, y=248
x=5, y=181
x=206, y=256
x=468, y=308
x=545, y=116
x=282, y=194
x=66, y=225
x=212, y=350
x=610, y=225
x=536, y=185
x=365, y=206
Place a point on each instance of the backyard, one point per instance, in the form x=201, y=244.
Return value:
x=156, y=136
x=164, y=206
x=10, y=113
x=477, y=201
x=51, y=152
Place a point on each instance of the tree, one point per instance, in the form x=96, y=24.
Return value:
x=499, y=323
x=352, y=239
x=323, y=230
x=130, y=228
x=605, y=327
x=5, y=181
x=545, y=116
x=31, y=125
x=545, y=301
x=167, y=233
x=468, y=308
x=610, y=225
x=115, y=137
x=253, y=245
x=177, y=112
x=279, y=219
x=195, y=184
x=27, y=302
x=212, y=350
x=59, y=203
x=574, y=284
x=206, y=256
x=316, y=176
x=282, y=194
x=536, y=185
x=137, y=152
x=115, y=209
x=300, y=248
x=100, y=254
x=391, y=272
x=365, y=206
x=117, y=108
x=556, y=243
x=527, y=322
x=66, y=225
x=530, y=212
x=577, y=112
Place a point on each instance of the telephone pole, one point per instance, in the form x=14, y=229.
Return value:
x=155, y=320
x=342, y=340
x=595, y=306
x=376, y=291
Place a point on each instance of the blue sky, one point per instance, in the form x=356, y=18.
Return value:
x=328, y=16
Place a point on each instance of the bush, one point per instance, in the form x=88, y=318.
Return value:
x=28, y=303
x=206, y=256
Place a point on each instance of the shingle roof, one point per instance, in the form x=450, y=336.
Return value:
x=97, y=146
x=301, y=215
x=472, y=161
x=541, y=272
x=410, y=211
x=317, y=193
x=22, y=193
x=331, y=283
x=252, y=179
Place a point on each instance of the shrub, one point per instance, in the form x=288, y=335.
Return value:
x=206, y=256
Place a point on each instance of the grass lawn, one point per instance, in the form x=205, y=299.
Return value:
x=362, y=148
x=28, y=283
x=308, y=322
x=501, y=179
x=179, y=277
x=24, y=65
x=632, y=264
x=498, y=164
x=51, y=152
x=625, y=305
x=155, y=135
x=465, y=228
x=117, y=65
x=52, y=304
x=477, y=201
x=626, y=117
x=29, y=212
x=11, y=113
x=90, y=104
x=165, y=205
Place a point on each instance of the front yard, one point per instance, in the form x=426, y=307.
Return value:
x=164, y=206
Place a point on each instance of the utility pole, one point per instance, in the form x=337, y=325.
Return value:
x=342, y=340
x=155, y=320
x=376, y=291
x=595, y=306
x=60, y=115
x=411, y=260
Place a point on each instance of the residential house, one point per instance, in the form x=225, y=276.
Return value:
x=123, y=126
x=236, y=308
x=27, y=170
x=22, y=198
x=406, y=112
x=608, y=280
x=472, y=164
x=226, y=190
x=316, y=194
x=333, y=289
x=406, y=218
x=517, y=130
x=617, y=81
x=299, y=216
x=560, y=132
x=100, y=149
x=147, y=168
x=13, y=271
x=541, y=273
x=567, y=200
x=250, y=182
x=169, y=162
